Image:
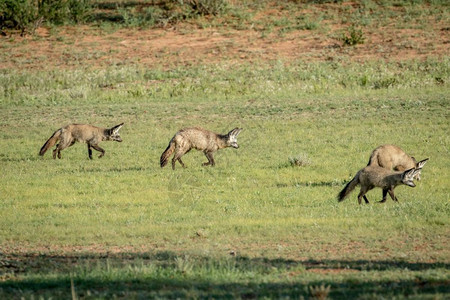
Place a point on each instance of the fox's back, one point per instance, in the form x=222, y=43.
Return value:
x=196, y=137
x=375, y=176
x=83, y=132
x=391, y=156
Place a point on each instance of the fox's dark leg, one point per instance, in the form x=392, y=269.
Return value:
x=385, y=191
x=55, y=151
x=210, y=158
x=96, y=147
x=89, y=151
x=391, y=193
x=63, y=144
x=173, y=163
x=58, y=150
x=365, y=199
x=360, y=195
x=177, y=156
x=182, y=163
x=174, y=159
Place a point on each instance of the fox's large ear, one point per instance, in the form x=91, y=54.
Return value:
x=421, y=163
x=235, y=131
x=117, y=127
x=410, y=173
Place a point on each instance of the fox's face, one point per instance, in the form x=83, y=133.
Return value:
x=115, y=136
x=232, y=138
x=408, y=177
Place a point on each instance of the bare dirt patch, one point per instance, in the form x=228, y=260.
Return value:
x=85, y=46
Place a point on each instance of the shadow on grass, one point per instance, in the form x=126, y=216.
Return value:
x=113, y=169
x=200, y=288
x=173, y=275
x=313, y=184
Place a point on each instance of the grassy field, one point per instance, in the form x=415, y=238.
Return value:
x=255, y=225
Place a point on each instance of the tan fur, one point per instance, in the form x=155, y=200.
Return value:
x=91, y=135
x=200, y=139
x=376, y=176
x=392, y=157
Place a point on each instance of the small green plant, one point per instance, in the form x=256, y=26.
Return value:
x=385, y=83
x=307, y=23
x=353, y=36
x=184, y=264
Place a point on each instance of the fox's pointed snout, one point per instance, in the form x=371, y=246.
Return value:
x=410, y=183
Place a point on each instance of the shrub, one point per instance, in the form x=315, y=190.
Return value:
x=207, y=7
x=28, y=15
x=353, y=36
x=19, y=14
x=166, y=11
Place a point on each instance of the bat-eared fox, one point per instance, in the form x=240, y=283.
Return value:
x=375, y=176
x=91, y=135
x=200, y=139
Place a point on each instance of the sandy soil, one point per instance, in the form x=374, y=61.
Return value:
x=84, y=46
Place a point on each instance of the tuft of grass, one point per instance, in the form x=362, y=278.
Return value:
x=299, y=160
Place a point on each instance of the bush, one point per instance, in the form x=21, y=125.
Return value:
x=19, y=14
x=64, y=11
x=27, y=15
x=167, y=11
x=353, y=36
x=207, y=7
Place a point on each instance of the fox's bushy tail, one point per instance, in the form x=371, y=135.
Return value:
x=349, y=187
x=51, y=141
x=167, y=153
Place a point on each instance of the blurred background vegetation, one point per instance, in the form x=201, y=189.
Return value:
x=28, y=15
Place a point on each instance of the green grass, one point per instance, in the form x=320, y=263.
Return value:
x=122, y=226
